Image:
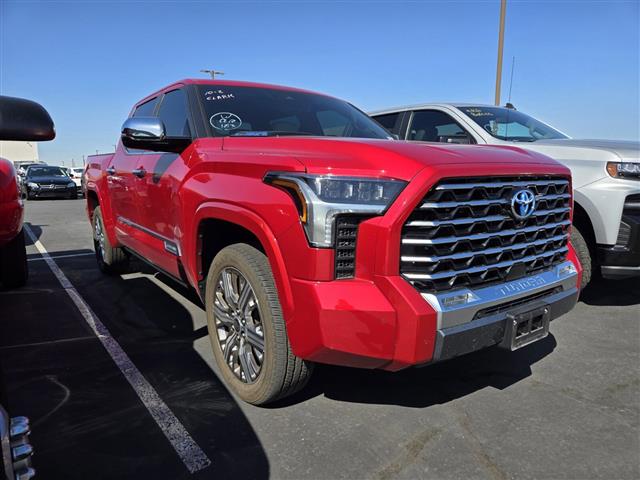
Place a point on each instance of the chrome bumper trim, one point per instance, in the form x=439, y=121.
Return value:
x=472, y=301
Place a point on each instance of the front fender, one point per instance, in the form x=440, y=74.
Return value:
x=257, y=226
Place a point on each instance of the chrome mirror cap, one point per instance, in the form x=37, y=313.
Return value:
x=143, y=129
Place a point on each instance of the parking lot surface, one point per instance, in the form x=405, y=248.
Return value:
x=565, y=407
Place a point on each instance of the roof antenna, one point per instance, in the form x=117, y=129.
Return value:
x=513, y=65
x=213, y=73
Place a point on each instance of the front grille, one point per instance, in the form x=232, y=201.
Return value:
x=346, y=232
x=463, y=233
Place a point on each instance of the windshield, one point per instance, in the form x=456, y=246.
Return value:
x=511, y=125
x=45, y=172
x=262, y=112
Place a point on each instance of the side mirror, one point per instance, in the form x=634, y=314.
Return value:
x=24, y=120
x=148, y=133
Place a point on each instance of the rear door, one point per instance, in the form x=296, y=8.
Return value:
x=159, y=175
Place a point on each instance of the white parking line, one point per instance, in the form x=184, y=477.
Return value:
x=184, y=445
x=61, y=256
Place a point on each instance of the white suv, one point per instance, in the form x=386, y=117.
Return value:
x=606, y=174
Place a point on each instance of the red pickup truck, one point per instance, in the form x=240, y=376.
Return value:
x=312, y=236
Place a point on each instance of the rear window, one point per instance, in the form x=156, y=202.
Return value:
x=254, y=111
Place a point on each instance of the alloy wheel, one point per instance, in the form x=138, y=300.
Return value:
x=238, y=324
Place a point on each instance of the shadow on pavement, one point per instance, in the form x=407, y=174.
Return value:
x=612, y=293
x=87, y=420
x=36, y=230
x=424, y=387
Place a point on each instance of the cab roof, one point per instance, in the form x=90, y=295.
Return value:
x=228, y=83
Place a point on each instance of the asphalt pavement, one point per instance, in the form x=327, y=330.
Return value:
x=565, y=407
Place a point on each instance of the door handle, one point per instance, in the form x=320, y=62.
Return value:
x=139, y=172
x=111, y=171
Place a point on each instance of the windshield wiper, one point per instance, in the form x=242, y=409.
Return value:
x=268, y=133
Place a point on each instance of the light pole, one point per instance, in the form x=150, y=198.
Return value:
x=503, y=11
x=213, y=73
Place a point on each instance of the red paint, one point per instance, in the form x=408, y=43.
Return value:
x=11, y=205
x=376, y=320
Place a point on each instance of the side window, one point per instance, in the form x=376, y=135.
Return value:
x=332, y=123
x=173, y=113
x=436, y=126
x=390, y=121
x=146, y=109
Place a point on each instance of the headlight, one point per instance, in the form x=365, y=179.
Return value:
x=320, y=198
x=628, y=170
x=70, y=185
x=33, y=185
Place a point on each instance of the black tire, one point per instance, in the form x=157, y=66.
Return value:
x=585, y=255
x=14, y=270
x=281, y=373
x=73, y=196
x=111, y=260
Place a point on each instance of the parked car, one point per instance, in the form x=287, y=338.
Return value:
x=606, y=174
x=44, y=181
x=74, y=174
x=312, y=236
x=22, y=120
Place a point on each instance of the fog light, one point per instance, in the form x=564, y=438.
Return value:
x=566, y=270
x=459, y=299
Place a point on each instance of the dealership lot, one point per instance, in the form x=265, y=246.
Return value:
x=565, y=407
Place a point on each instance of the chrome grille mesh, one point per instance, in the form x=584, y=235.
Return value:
x=464, y=235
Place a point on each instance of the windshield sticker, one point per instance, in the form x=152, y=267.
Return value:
x=225, y=121
x=477, y=112
x=213, y=95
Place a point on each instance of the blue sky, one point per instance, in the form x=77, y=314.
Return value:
x=577, y=62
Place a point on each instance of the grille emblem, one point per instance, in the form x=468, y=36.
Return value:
x=523, y=204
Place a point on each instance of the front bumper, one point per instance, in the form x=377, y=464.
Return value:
x=623, y=259
x=388, y=324
x=65, y=192
x=491, y=329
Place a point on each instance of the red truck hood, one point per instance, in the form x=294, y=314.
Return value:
x=395, y=159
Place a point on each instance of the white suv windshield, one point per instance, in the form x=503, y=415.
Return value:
x=511, y=125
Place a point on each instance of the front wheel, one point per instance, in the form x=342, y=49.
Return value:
x=247, y=330
x=584, y=254
x=110, y=259
x=14, y=271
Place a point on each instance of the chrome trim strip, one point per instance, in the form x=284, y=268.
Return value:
x=497, y=201
x=489, y=218
x=469, y=203
x=482, y=268
x=460, y=186
x=488, y=251
x=563, y=275
x=482, y=236
x=170, y=245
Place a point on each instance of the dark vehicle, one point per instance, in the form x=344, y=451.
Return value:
x=21, y=120
x=43, y=181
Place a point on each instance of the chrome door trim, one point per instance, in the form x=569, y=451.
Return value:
x=170, y=245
